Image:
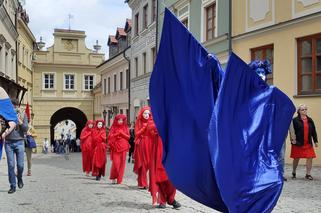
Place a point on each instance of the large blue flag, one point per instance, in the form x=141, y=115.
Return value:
x=247, y=131
x=222, y=134
x=183, y=88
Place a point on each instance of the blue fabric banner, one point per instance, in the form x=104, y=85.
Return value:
x=247, y=131
x=7, y=110
x=183, y=88
x=222, y=133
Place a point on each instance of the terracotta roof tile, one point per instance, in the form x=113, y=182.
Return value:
x=112, y=39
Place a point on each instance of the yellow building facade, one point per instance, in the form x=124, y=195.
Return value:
x=288, y=33
x=25, y=49
x=64, y=77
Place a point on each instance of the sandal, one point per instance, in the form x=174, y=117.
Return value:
x=309, y=177
x=293, y=175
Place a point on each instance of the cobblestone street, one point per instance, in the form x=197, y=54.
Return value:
x=58, y=185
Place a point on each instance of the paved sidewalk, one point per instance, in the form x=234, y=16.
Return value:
x=58, y=185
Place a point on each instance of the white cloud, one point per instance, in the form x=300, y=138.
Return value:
x=99, y=18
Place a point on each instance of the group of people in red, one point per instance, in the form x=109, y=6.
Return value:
x=147, y=155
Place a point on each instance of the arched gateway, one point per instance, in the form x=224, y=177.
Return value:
x=68, y=113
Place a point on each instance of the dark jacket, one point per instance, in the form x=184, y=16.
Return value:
x=299, y=131
x=20, y=131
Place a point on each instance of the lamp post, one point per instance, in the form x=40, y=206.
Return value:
x=104, y=114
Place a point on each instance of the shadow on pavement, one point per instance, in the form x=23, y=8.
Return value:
x=128, y=204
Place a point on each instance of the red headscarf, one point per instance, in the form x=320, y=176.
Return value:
x=140, y=120
x=99, y=134
x=86, y=131
x=116, y=127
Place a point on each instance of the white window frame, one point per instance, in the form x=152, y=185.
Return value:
x=84, y=81
x=205, y=4
x=185, y=15
x=43, y=80
x=64, y=79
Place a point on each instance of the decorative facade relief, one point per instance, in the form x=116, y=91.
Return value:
x=305, y=7
x=258, y=9
x=308, y=2
x=259, y=14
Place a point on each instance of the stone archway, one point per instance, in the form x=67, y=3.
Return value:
x=68, y=113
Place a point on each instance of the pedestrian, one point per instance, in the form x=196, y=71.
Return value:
x=8, y=118
x=131, y=142
x=100, y=148
x=86, y=138
x=15, y=147
x=77, y=145
x=160, y=187
x=118, y=142
x=45, y=146
x=31, y=132
x=142, y=149
x=303, y=135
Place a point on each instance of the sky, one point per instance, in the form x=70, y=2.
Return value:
x=99, y=18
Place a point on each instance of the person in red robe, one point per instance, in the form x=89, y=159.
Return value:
x=86, y=146
x=118, y=142
x=142, y=150
x=160, y=187
x=100, y=148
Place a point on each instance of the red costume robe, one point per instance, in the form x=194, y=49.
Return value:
x=86, y=146
x=118, y=142
x=142, y=149
x=100, y=147
x=159, y=184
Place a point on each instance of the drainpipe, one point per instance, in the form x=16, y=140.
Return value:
x=128, y=80
x=157, y=22
x=230, y=28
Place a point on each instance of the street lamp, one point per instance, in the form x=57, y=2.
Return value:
x=104, y=114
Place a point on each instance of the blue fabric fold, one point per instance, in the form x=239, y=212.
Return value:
x=247, y=131
x=222, y=132
x=183, y=88
x=7, y=110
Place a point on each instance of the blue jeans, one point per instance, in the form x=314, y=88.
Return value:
x=18, y=148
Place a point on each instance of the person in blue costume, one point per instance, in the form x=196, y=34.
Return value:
x=230, y=124
x=8, y=117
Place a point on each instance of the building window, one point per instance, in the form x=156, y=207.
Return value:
x=127, y=79
x=153, y=55
x=89, y=82
x=154, y=12
x=136, y=66
x=263, y=53
x=210, y=21
x=144, y=63
x=121, y=81
x=105, y=86
x=145, y=16
x=309, y=64
x=48, y=81
x=115, y=83
x=185, y=22
x=136, y=24
x=108, y=85
x=69, y=81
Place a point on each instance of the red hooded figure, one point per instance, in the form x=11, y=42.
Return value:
x=86, y=138
x=142, y=149
x=118, y=142
x=158, y=179
x=99, y=141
